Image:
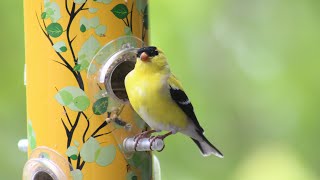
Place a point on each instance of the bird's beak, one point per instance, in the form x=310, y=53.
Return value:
x=144, y=57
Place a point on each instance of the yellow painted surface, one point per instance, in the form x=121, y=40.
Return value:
x=45, y=77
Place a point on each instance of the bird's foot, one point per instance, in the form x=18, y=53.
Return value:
x=140, y=136
x=162, y=137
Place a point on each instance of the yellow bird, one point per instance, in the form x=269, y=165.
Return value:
x=158, y=97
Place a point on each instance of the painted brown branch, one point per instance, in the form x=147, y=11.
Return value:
x=71, y=18
x=128, y=23
x=101, y=126
x=99, y=86
x=70, y=135
x=125, y=22
x=73, y=14
x=66, y=4
x=78, y=160
x=82, y=164
x=103, y=134
x=65, y=111
x=59, y=63
x=60, y=56
x=65, y=127
x=131, y=17
x=73, y=39
x=83, y=9
x=87, y=128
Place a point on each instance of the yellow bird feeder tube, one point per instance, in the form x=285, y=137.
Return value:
x=76, y=123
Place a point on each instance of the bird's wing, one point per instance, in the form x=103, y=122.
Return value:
x=182, y=100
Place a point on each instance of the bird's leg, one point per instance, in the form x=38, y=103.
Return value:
x=142, y=135
x=162, y=137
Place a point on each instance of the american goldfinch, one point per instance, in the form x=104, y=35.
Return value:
x=158, y=97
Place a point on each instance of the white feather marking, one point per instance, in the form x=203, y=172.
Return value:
x=185, y=102
x=174, y=87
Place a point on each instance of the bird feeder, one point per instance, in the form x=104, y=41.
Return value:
x=80, y=124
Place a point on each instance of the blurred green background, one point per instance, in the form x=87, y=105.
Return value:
x=250, y=67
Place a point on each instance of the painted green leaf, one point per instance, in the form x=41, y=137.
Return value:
x=101, y=30
x=87, y=51
x=46, y=3
x=100, y=106
x=120, y=11
x=60, y=46
x=84, y=24
x=81, y=102
x=77, y=67
x=63, y=49
x=76, y=143
x=79, y=1
x=127, y=30
x=52, y=10
x=103, y=1
x=31, y=136
x=94, y=22
x=64, y=97
x=93, y=10
x=140, y=5
x=93, y=69
x=43, y=15
x=74, y=157
x=72, y=150
x=105, y=155
x=54, y=30
x=131, y=176
x=77, y=174
x=33, y=144
x=89, y=149
x=83, y=28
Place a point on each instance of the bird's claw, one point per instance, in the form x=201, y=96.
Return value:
x=154, y=138
x=140, y=136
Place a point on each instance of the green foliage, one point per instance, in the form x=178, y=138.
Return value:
x=43, y=15
x=127, y=31
x=93, y=10
x=100, y=106
x=120, y=11
x=83, y=28
x=31, y=136
x=141, y=5
x=81, y=102
x=77, y=67
x=103, y=1
x=54, y=30
x=105, y=155
x=87, y=51
x=77, y=174
x=100, y=30
x=73, y=97
x=79, y=1
x=60, y=46
x=89, y=149
x=52, y=11
x=92, y=152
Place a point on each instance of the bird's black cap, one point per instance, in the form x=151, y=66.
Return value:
x=150, y=50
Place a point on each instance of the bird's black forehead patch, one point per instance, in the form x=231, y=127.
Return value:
x=150, y=50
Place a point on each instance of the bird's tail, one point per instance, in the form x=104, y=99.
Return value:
x=206, y=147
